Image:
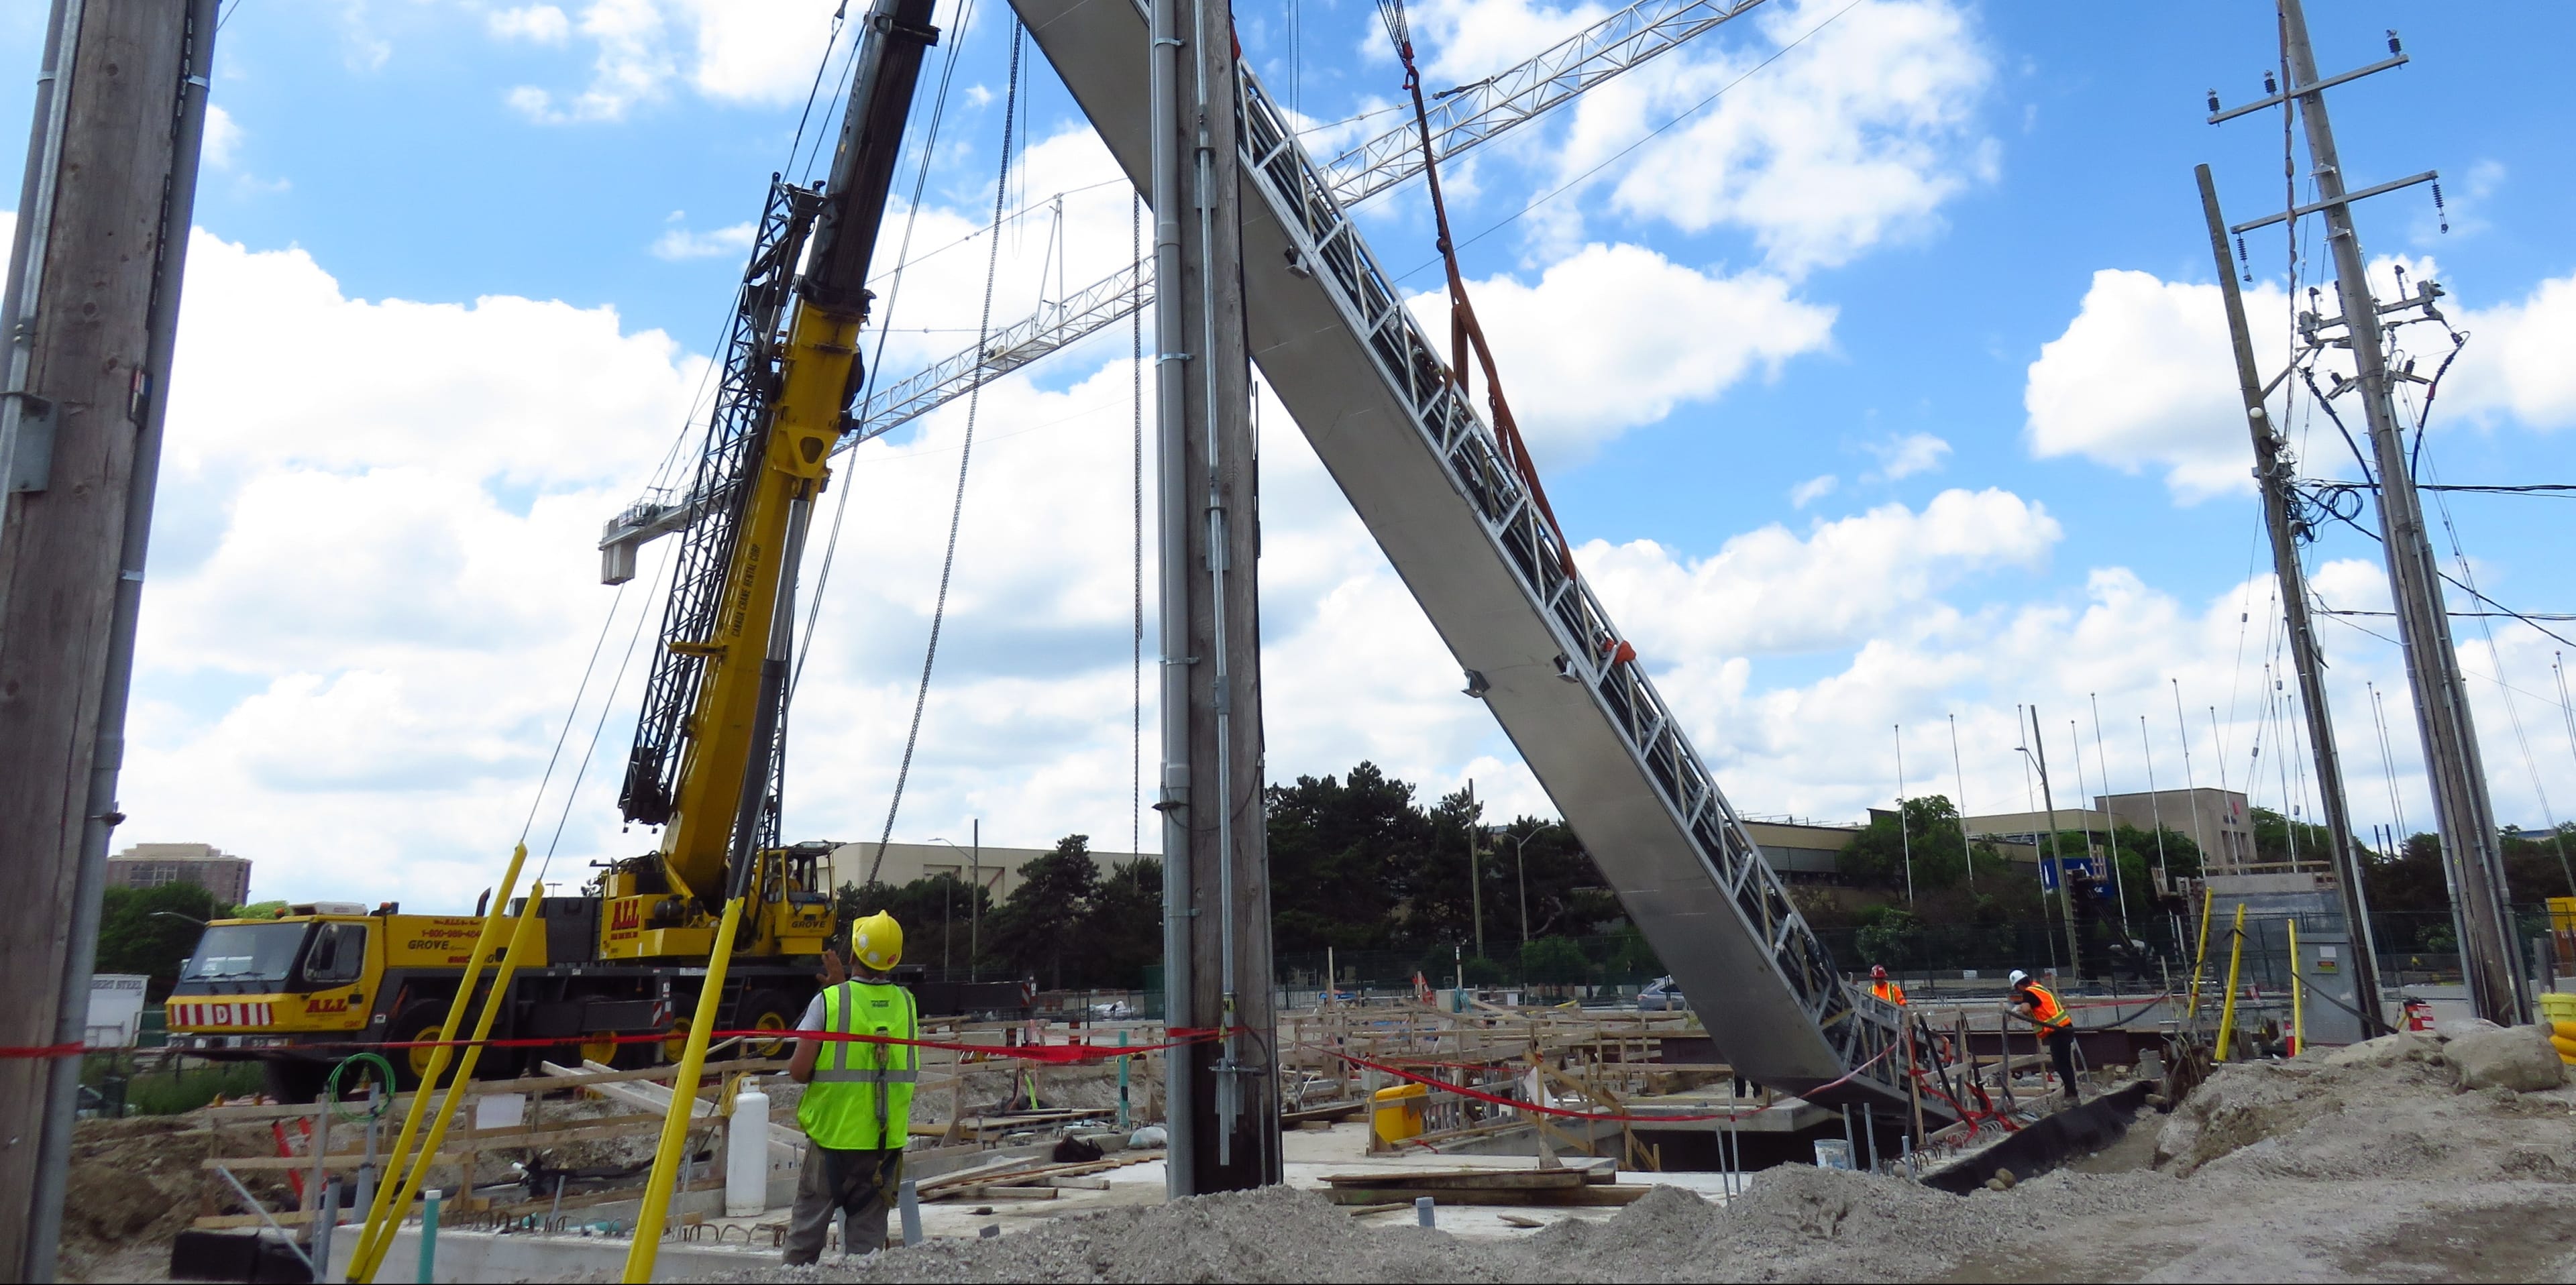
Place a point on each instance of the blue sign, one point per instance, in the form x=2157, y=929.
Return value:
x=2049, y=870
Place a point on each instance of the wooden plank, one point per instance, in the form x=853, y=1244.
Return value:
x=1578, y=1195
x=1495, y=1179
x=229, y=1222
x=990, y=1193
x=534, y=1084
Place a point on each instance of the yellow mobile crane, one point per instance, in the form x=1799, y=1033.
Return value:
x=627, y=955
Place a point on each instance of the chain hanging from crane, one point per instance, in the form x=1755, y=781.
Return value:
x=1465, y=331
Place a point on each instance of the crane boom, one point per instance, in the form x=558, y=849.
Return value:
x=706, y=762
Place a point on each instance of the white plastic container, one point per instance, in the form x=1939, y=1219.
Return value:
x=747, y=1153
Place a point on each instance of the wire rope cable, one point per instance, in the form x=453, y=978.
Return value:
x=927, y=151
x=965, y=457
x=573, y=715
x=608, y=703
x=1136, y=564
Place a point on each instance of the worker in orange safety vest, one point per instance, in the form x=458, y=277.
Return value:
x=2037, y=1005
x=1880, y=986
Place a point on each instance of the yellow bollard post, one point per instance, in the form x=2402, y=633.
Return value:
x=378, y=1228
x=667, y=1158
x=2235, y=960
x=2199, y=956
x=525, y=935
x=2298, y=993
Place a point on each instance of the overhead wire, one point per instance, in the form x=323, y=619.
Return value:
x=925, y=152
x=957, y=508
x=2513, y=711
x=661, y=474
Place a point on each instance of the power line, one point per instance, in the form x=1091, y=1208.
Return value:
x=2536, y=488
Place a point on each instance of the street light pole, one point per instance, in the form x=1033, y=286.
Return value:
x=1520, y=874
x=974, y=902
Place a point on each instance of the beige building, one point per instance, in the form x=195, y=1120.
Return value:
x=1802, y=851
x=2217, y=820
x=150, y=865
x=996, y=868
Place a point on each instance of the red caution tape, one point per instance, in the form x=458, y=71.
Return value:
x=1047, y=1053
x=47, y=1050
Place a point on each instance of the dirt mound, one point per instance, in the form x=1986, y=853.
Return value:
x=132, y=1181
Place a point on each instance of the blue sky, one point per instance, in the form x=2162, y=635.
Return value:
x=1874, y=260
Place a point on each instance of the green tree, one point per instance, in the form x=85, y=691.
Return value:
x=152, y=931
x=936, y=913
x=1554, y=961
x=1125, y=925
x=1039, y=928
x=1889, y=936
x=1343, y=856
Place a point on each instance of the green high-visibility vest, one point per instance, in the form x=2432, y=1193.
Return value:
x=860, y=1098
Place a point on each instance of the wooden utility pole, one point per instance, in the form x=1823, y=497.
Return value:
x=89, y=322
x=2273, y=472
x=1223, y=1112
x=2472, y=853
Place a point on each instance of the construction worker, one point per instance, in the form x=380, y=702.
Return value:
x=857, y=1110
x=1883, y=988
x=2037, y=1005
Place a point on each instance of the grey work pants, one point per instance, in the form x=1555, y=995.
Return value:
x=858, y=1185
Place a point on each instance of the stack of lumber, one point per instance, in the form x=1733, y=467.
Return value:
x=1584, y=1186
x=1021, y=1178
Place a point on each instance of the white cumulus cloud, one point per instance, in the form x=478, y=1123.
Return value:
x=1908, y=455
x=679, y=243
x=542, y=24
x=1616, y=336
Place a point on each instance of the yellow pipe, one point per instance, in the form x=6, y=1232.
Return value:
x=2235, y=959
x=2298, y=991
x=522, y=937
x=667, y=1158
x=2199, y=956
x=377, y=1227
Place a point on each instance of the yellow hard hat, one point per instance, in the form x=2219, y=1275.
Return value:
x=877, y=942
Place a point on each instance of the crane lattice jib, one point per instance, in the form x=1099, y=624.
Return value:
x=1473, y=113
x=1368, y=388
x=711, y=520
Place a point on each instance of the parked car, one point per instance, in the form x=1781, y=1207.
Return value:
x=1661, y=996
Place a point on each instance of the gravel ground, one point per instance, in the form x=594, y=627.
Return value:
x=2371, y=1165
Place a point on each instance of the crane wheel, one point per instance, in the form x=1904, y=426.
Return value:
x=417, y=1021
x=767, y=1010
